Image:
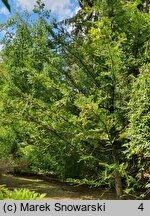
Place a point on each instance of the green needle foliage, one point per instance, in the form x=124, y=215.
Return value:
x=139, y=126
x=76, y=103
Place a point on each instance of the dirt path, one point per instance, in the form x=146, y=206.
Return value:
x=56, y=190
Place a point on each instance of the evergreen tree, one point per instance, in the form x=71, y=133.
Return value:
x=77, y=102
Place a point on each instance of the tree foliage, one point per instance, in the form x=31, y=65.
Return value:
x=76, y=103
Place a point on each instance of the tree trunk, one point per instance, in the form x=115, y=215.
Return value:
x=0, y=176
x=117, y=176
x=147, y=9
x=118, y=185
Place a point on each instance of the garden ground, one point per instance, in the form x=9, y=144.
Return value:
x=55, y=189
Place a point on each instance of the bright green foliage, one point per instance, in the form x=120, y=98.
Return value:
x=36, y=85
x=77, y=104
x=104, y=62
x=139, y=127
x=19, y=194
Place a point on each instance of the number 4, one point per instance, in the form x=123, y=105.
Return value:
x=141, y=207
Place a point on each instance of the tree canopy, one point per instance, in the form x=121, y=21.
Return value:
x=75, y=103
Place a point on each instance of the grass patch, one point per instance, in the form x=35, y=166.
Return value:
x=55, y=190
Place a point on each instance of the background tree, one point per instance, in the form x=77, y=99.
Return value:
x=139, y=127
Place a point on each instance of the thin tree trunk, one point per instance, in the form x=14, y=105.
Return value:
x=118, y=180
x=0, y=176
x=147, y=9
x=118, y=185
